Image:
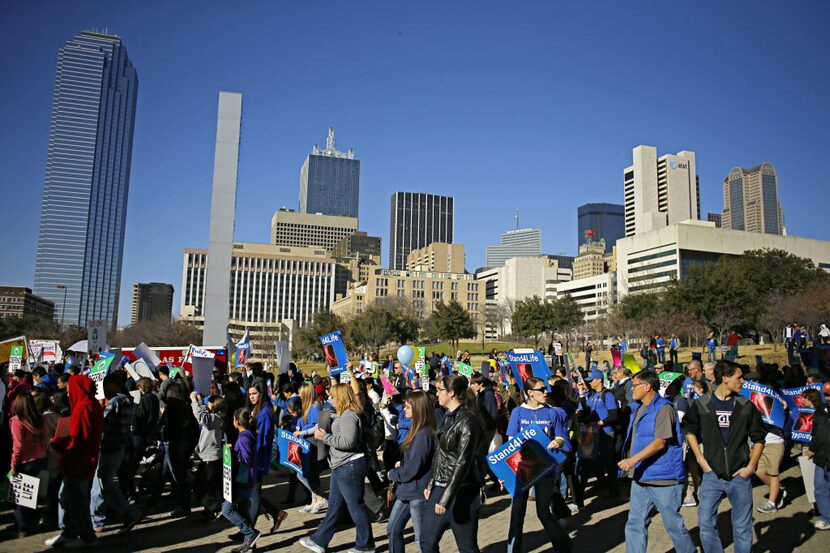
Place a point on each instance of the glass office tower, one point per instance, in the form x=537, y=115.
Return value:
x=417, y=220
x=330, y=181
x=81, y=242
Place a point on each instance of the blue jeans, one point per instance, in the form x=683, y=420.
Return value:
x=739, y=492
x=822, y=484
x=711, y=354
x=667, y=500
x=234, y=514
x=73, y=509
x=402, y=511
x=107, y=496
x=346, y=494
x=545, y=490
x=461, y=517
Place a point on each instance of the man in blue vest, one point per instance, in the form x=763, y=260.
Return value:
x=654, y=462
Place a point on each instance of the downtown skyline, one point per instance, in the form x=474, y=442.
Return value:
x=440, y=108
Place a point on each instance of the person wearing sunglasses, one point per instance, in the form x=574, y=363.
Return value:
x=535, y=410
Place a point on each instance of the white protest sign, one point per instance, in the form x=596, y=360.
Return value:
x=227, y=474
x=131, y=371
x=425, y=382
x=15, y=358
x=136, y=396
x=142, y=351
x=23, y=490
x=141, y=368
x=202, y=372
x=96, y=335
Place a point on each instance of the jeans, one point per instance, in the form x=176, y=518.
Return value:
x=234, y=514
x=711, y=354
x=346, y=493
x=822, y=485
x=258, y=502
x=132, y=460
x=73, y=509
x=739, y=492
x=667, y=500
x=176, y=459
x=461, y=517
x=24, y=516
x=106, y=494
x=402, y=511
x=545, y=490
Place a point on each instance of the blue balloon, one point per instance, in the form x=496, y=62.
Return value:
x=405, y=355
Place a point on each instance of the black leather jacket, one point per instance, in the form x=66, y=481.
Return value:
x=455, y=463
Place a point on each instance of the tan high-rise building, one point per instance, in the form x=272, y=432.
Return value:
x=659, y=191
x=750, y=200
x=423, y=290
x=591, y=259
x=310, y=230
x=438, y=257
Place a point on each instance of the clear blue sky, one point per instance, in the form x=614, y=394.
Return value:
x=503, y=105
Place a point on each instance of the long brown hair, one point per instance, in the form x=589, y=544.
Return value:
x=423, y=416
x=24, y=408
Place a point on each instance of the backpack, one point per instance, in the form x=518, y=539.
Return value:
x=374, y=434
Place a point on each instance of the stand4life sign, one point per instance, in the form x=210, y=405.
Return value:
x=227, y=474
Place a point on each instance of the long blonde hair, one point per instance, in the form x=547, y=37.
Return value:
x=309, y=398
x=344, y=399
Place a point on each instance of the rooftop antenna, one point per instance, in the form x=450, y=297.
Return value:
x=330, y=140
x=517, y=219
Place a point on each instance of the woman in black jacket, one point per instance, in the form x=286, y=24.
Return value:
x=145, y=426
x=453, y=493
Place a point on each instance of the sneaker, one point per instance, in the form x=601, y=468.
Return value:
x=321, y=505
x=356, y=550
x=767, y=508
x=782, y=498
x=81, y=544
x=130, y=524
x=573, y=508
x=309, y=544
x=306, y=509
x=56, y=541
x=821, y=525
x=247, y=545
x=690, y=501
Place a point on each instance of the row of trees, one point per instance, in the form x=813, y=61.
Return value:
x=533, y=318
x=390, y=321
x=756, y=294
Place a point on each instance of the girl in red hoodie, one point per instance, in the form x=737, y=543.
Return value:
x=80, y=459
x=28, y=452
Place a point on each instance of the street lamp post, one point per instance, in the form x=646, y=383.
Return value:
x=63, y=307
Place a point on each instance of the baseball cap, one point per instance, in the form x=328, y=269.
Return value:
x=594, y=374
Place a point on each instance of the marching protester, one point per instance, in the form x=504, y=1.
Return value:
x=453, y=496
x=313, y=460
x=723, y=422
x=411, y=474
x=552, y=420
x=245, y=473
x=348, y=471
x=654, y=462
x=208, y=482
x=261, y=409
x=600, y=412
x=29, y=445
x=79, y=449
x=819, y=453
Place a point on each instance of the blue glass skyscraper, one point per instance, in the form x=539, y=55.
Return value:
x=81, y=242
x=606, y=220
x=330, y=181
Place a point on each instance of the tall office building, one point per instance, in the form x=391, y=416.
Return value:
x=417, y=220
x=526, y=242
x=309, y=230
x=151, y=301
x=83, y=214
x=607, y=221
x=660, y=191
x=330, y=181
x=714, y=218
x=222, y=216
x=750, y=200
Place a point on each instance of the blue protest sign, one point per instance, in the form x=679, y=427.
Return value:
x=292, y=450
x=525, y=365
x=524, y=460
x=335, y=352
x=767, y=401
x=800, y=421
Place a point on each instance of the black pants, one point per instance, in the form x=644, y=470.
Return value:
x=175, y=469
x=126, y=474
x=208, y=485
x=461, y=517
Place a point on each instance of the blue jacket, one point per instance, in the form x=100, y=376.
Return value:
x=665, y=465
x=404, y=424
x=244, y=452
x=264, y=439
x=416, y=467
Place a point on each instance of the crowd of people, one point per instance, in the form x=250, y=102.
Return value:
x=404, y=448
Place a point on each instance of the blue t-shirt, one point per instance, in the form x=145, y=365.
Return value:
x=602, y=406
x=551, y=419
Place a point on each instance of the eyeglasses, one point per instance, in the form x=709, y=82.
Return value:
x=537, y=390
x=437, y=389
x=639, y=384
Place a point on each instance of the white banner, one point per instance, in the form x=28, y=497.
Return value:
x=283, y=356
x=96, y=336
x=143, y=352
